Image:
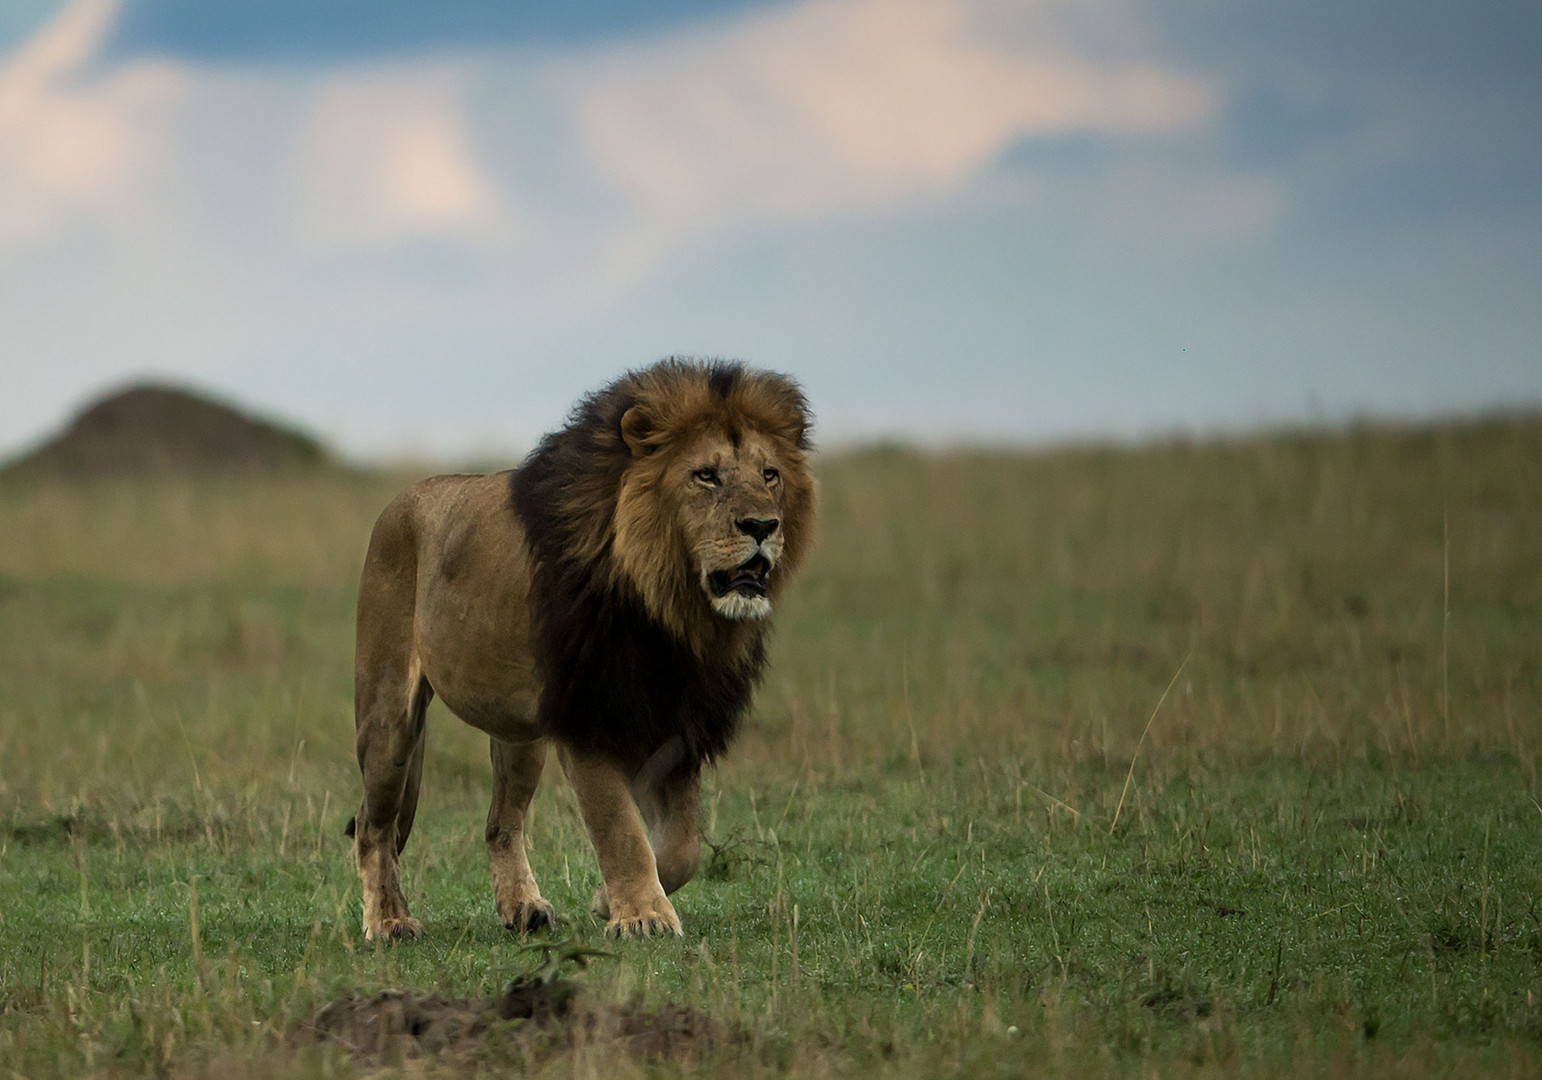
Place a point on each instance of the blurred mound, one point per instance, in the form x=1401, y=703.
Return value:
x=163, y=429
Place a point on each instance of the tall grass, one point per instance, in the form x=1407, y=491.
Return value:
x=1036, y=605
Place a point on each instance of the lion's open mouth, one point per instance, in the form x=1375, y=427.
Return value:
x=747, y=579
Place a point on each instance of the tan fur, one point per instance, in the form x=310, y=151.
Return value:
x=444, y=608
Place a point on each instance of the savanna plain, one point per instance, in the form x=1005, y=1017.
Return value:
x=1186, y=759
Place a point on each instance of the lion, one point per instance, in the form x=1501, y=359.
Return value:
x=611, y=596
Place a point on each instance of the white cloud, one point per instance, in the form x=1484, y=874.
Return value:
x=73, y=145
x=372, y=155
x=822, y=107
x=833, y=106
x=386, y=155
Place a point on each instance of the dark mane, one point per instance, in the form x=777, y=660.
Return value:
x=615, y=679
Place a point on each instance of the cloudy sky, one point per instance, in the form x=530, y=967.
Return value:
x=426, y=228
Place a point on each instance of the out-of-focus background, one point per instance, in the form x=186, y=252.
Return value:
x=423, y=229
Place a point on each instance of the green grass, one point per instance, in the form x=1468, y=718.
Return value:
x=1327, y=856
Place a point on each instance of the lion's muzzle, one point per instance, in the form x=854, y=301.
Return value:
x=747, y=579
x=741, y=592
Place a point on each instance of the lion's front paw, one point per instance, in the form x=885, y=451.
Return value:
x=653, y=916
x=390, y=929
x=524, y=916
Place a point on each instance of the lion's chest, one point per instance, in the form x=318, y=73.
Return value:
x=616, y=682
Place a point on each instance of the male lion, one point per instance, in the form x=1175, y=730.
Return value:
x=611, y=595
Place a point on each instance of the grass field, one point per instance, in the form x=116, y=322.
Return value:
x=1184, y=760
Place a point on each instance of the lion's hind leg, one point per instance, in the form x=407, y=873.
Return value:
x=516, y=897
x=669, y=802
x=390, y=752
x=391, y=696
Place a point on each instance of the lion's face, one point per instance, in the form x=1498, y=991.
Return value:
x=712, y=506
x=713, y=521
x=728, y=497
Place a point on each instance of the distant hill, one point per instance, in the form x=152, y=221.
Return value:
x=152, y=428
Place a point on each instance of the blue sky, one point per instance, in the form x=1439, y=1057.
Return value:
x=425, y=228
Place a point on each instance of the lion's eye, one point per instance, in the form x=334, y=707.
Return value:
x=706, y=474
x=771, y=476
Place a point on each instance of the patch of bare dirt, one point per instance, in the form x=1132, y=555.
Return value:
x=556, y=1012
x=153, y=428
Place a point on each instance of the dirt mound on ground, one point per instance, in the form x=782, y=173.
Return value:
x=153, y=428
x=406, y=1023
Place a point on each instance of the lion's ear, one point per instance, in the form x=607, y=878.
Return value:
x=637, y=428
x=793, y=416
x=797, y=429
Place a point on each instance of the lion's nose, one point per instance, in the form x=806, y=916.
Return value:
x=759, y=528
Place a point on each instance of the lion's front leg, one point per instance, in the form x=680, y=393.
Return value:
x=632, y=901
